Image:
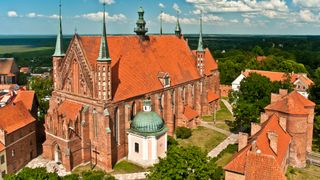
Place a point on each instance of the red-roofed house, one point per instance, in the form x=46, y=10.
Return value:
x=8, y=71
x=101, y=81
x=17, y=137
x=283, y=137
x=300, y=81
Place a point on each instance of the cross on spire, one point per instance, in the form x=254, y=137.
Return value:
x=59, y=51
x=104, y=50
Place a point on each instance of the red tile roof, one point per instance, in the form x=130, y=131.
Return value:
x=136, y=63
x=190, y=113
x=212, y=96
x=293, y=103
x=280, y=76
x=262, y=167
x=261, y=58
x=69, y=109
x=24, y=69
x=7, y=86
x=26, y=97
x=239, y=161
x=210, y=63
x=14, y=117
x=6, y=65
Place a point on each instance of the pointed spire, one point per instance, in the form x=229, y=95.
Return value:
x=59, y=51
x=104, y=51
x=141, y=29
x=200, y=45
x=161, y=22
x=178, y=28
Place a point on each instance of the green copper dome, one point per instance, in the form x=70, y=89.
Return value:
x=148, y=122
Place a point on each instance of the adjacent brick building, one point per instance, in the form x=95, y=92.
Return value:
x=8, y=71
x=18, y=143
x=100, y=83
x=283, y=137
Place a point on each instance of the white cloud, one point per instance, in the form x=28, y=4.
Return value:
x=234, y=21
x=210, y=19
x=270, y=14
x=307, y=3
x=107, y=1
x=176, y=7
x=34, y=15
x=54, y=16
x=247, y=21
x=239, y=5
x=308, y=16
x=99, y=15
x=162, y=5
x=12, y=14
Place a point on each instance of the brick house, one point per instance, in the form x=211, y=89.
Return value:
x=100, y=83
x=8, y=71
x=283, y=137
x=17, y=137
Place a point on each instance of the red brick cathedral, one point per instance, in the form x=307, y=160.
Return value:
x=101, y=81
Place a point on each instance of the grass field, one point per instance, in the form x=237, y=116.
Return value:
x=226, y=155
x=204, y=138
x=21, y=48
x=308, y=173
x=124, y=167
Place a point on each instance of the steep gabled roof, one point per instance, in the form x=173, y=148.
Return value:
x=70, y=110
x=239, y=162
x=136, y=62
x=26, y=97
x=190, y=113
x=6, y=65
x=294, y=103
x=212, y=96
x=14, y=117
x=210, y=63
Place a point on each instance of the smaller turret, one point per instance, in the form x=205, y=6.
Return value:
x=141, y=29
x=178, y=31
x=200, y=52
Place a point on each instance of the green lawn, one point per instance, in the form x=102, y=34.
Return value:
x=204, y=138
x=81, y=169
x=124, y=167
x=309, y=173
x=226, y=155
x=20, y=48
x=222, y=115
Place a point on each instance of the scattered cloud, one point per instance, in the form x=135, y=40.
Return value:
x=99, y=15
x=247, y=21
x=210, y=19
x=107, y=1
x=12, y=14
x=34, y=15
x=162, y=5
x=307, y=3
x=176, y=7
x=307, y=16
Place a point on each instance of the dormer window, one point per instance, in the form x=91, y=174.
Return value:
x=164, y=79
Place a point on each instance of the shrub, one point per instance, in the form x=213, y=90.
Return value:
x=183, y=132
x=71, y=177
x=171, y=141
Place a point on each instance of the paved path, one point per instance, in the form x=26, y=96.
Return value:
x=228, y=105
x=51, y=166
x=132, y=176
x=211, y=126
x=232, y=139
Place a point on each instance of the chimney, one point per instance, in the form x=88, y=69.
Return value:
x=255, y=127
x=275, y=97
x=283, y=123
x=242, y=140
x=283, y=92
x=263, y=117
x=254, y=146
x=273, y=141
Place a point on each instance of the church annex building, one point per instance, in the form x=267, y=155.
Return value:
x=101, y=82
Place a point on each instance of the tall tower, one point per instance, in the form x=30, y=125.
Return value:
x=200, y=51
x=141, y=29
x=178, y=31
x=161, y=22
x=104, y=64
x=58, y=53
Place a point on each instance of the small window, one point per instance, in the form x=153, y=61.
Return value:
x=12, y=153
x=2, y=159
x=136, y=147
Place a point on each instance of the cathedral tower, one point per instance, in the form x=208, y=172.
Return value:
x=200, y=52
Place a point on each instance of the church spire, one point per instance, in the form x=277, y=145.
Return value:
x=104, y=51
x=161, y=22
x=178, y=28
x=59, y=51
x=141, y=29
x=200, y=45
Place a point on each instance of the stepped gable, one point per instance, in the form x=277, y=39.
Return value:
x=136, y=61
x=239, y=162
x=294, y=103
x=15, y=116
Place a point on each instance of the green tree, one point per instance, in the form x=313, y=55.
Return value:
x=186, y=163
x=23, y=79
x=258, y=51
x=32, y=174
x=43, y=88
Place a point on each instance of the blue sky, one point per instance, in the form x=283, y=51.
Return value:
x=220, y=16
